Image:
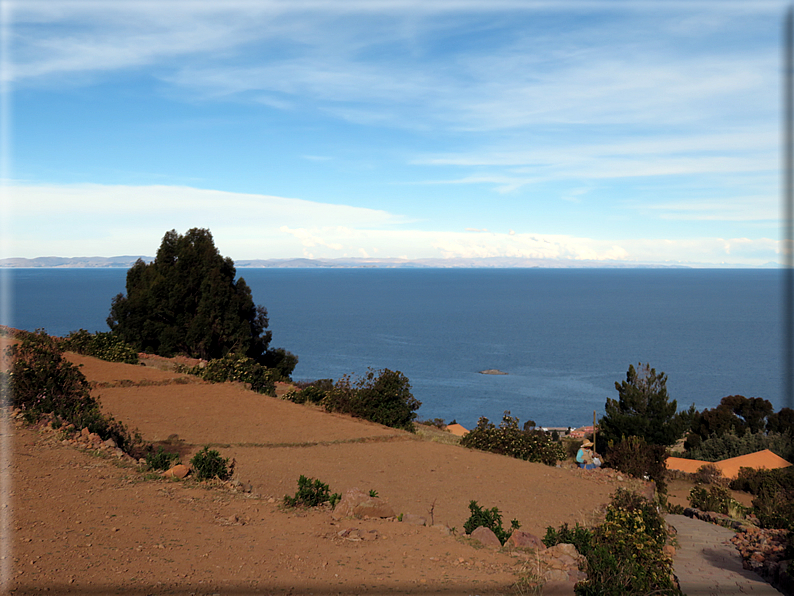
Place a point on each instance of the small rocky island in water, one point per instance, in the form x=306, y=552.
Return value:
x=492, y=371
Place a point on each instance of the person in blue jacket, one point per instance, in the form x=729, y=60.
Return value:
x=585, y=457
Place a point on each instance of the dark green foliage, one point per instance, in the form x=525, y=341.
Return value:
x=488, y=518
x=781, y=422
x=187, y=302
x=102, y=345
x=627, y=555
x=709, y=474
x=437, y=422
x=43, y=382
x=281, y=362
x=716, y=499
x=373, y=493
x=311, y=493
x=508, y=439
x=236, y=367
x=161, y=460
x=208, y=464
x=732, y=444
x=774, y=495
x=382, y=396
x=738, y=415
x=579, y=536
x=636, y=457
x=643, y=409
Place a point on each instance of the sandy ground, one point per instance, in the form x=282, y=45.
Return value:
x=86, y=524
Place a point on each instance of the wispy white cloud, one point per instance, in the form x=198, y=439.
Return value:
x=91, y=220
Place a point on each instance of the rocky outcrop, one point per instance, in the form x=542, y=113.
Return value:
x=356, y=503
x=764, y=551
x=521, y=539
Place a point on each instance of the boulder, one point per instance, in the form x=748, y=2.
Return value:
x=413, y=519
x=178, y=471
x=521, y=539
x=486, y=537
x=356, y=503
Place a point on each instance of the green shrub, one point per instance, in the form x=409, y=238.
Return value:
x=627, y=555
x=161, y=460
x=732, y=444
x=236, y=367
x=774, y=508
x=104, y=346
x=716, y=499
x=508, y=439
x=311, y=493
x=488, y=518
x=579, y=536
x=43, y=382
x=208, y=464
x=312, y=393
x=382, y=396
x=634, y=456
x=774, y=495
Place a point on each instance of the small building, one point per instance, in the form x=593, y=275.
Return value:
x=581, y=432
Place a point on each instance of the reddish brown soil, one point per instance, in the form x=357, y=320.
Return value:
x=85, y=524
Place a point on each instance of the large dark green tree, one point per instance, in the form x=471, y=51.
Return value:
x=187, y=301
x=643, y=409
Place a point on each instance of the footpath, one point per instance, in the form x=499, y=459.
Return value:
x=708, y=564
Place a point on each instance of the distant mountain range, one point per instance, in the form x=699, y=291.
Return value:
x=491, y=262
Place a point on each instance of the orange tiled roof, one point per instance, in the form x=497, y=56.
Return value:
x=457, y=429
x=730, y=467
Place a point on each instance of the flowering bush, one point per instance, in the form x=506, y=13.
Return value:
x=236, y=367
x=104, y=346
x=627, y=555
x=508, y=439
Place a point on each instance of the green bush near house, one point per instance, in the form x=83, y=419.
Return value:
x=508, y=439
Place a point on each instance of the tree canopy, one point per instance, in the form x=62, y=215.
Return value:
x=187, y=301
x=643, y=409
x=737, y=415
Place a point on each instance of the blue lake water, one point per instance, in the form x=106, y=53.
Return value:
x=564, y=336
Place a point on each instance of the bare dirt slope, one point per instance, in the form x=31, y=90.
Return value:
x=84, y=524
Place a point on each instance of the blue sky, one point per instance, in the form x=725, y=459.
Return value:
x=642, y=132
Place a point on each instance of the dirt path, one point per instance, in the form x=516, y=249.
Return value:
x=84, y=524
